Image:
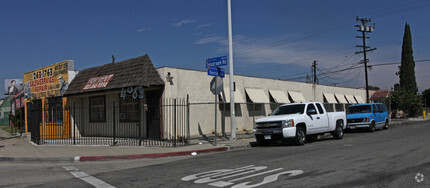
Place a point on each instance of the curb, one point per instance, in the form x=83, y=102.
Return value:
x=151, y=156
x=120, y=157
x=29, y=159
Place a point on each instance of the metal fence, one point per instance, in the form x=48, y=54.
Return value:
x=148, y=122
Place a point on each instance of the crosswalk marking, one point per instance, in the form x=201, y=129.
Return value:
x=87, y=178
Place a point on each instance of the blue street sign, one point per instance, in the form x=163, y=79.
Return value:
x=216, y=62
x=216, y=71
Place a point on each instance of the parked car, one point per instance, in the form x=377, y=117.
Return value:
x=370, y=116
x=299, y=121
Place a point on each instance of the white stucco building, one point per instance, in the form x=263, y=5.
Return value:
x=254, y=97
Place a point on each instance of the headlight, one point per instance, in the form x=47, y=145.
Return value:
x=288, y=123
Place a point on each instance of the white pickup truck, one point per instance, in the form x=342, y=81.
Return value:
x=299, y=121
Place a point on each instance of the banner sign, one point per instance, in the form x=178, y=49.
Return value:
x=50, y=81
x=98, y=82
x=12, y=86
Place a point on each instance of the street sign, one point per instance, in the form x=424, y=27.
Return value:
x=216, y=71
x=216, y=85
x=216, y=62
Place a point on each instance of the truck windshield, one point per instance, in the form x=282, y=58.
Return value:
x=359, y=109
x=289, y=109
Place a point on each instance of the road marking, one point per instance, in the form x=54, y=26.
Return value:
x=87, y=178
x=223, y=177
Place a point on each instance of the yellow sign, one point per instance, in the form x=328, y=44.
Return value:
x=49, y=81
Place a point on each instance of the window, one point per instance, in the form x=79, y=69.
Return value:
x=311, y=107
x=359, y=109
x=290, y=109
x=256, y=107
x=320, y=109
x=382, y=108
x=54, y=110
x=129, y=109
x=97, y=109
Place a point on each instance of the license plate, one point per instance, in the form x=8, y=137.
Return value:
x=352, y=127
x=267, y=137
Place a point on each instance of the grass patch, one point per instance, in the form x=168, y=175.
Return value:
x=7, y=128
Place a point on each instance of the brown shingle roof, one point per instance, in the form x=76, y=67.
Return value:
x=380, y=94
x=137, y=71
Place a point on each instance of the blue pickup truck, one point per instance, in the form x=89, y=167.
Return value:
x=370, y=116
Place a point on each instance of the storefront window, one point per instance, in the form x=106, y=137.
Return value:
x=97, y=109
x=129, y=109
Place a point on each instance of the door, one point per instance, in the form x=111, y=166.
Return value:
x=323, y=123
x=34, y=110
x=377, y=115
x=314, y=122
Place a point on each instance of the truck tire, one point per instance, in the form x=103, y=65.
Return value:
x=372, y=127
x=261, y=141
x=338, y=132
x=386, y=124
x=300, y=138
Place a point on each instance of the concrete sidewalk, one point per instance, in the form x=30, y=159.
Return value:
x=21, y=149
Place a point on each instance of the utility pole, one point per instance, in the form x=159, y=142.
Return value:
x=363, y=28
x=230, y=61
x=314, y=72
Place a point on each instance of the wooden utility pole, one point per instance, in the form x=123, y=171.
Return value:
x=363, y=28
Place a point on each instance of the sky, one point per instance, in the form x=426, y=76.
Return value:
x=276, y=39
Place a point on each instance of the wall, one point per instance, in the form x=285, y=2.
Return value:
x=4, y=111
x=196, y=85
x=82, y=127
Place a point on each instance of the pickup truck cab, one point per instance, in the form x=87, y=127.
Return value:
x=370, y=116
x=299, y=121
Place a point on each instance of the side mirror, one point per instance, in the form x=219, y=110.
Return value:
x=311, y=111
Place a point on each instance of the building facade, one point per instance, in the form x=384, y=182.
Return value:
x=254, y=98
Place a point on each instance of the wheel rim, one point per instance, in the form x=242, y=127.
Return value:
x=340, y=131
x=301, y=136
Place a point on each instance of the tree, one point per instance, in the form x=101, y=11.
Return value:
x=407, y=67
x=404, y=96
x=426, y=97
x=373, y=87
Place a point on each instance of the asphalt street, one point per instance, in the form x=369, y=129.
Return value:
x=397, y=157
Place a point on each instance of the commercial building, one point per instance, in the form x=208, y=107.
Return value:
x=131, y=101
x=254, y=98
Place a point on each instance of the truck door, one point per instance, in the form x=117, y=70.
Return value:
x=323, y=123
x=313, y=119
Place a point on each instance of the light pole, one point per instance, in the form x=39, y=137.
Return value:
x=230, y=60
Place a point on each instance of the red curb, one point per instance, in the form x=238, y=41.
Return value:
x=152, y=155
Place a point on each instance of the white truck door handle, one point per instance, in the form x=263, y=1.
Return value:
x=318, y=117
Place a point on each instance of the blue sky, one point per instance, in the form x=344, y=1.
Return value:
x=272, y=38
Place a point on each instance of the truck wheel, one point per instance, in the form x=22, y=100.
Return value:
x=338, y=132
x=300, y=136
x=386, y=124
x=261, y=141
x=372, y=127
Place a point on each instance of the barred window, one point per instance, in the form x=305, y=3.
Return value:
x=129, y=109
x=54, y=110
x=97, y=109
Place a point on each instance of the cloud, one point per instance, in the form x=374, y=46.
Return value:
x=210, y=39
x=143, y=29
x=275, y=49
x=183, y=22
x=204, y=25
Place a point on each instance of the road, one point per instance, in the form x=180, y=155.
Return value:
x=397, y=157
